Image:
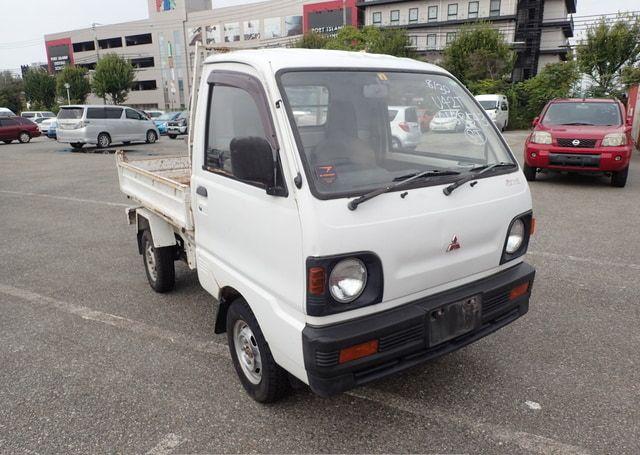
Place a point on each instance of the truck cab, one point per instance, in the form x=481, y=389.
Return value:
x=336, y=256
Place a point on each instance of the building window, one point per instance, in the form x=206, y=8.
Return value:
x=142, y=62
x=473, y=10
x=494, y=8
x=85, y=46
x=451, y=37
x=431, y=41
x=137, y=40
x=452, y=11
x=109, y=43
x=433, y=14
x=413, y=14
x=394, y=16
x=413, y=41
x=377, y=17
x=144, y=85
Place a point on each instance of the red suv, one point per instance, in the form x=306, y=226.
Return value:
x=580, y=135
x=17, y=128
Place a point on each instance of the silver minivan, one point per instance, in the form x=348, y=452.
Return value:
x=104, y=125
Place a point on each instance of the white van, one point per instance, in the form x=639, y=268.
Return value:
x=37, y=116
x=497, y=106
x=102, y=125
x=335, y=258
x=4, y=112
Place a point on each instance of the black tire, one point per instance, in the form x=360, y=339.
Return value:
x=529, y=172
x=158, y=264
x=7, y=142
x=104, y=140
x=24, y=137
x=619, y=179
x=77, y=145
x=152, y=137
x=173, y=136
x=273, y=382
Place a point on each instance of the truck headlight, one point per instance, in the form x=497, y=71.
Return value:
x=347, y=280
x=541, y=137
x=515, y=236
x=614, y=140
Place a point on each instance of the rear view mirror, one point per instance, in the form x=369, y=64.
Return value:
x=535, y=121
x=252, y=160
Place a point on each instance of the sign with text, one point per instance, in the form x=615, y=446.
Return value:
x=59, y=54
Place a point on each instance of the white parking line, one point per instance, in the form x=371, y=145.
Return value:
x=64, y=198
x=527, y=441
x=166, y=445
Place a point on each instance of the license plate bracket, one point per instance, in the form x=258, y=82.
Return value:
x=454, y=319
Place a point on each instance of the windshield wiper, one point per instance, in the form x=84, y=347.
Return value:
x=399, y=181
x=473, y=174
x=578, y=124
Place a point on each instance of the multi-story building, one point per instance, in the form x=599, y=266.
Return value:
x=162, y=47
x=538, y=30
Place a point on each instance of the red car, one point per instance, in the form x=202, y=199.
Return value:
x=17, y=128
x=580, y=135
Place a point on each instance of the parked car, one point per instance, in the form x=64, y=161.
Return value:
x=497, y=107
x=17, y=128
x=51, y=132
x=37, y=116
x=45, y=123
x=448, y=120
x=161, y=122
x=334, y=259
x=154, y=114
x=405, y=128
x=4, y=112
x=581, y=135
x=103, y=125
x=179, y=125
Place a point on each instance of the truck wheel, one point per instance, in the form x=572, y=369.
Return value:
x=24, y=137
x=159, y=264
x=260, y=375
x=529, y=172
x=619, y=179
x=76, y=145
x=173, y=136
x=104, y=140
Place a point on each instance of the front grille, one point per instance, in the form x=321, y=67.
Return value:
x=582, y=143
x=494, y=301
x=406, y=336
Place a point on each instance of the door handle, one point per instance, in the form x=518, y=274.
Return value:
x=202, y=191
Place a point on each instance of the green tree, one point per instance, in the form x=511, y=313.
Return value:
x=608, y=49
x=479, y=52
x=40, y=89
x=312, y=40
x=630, y=76
x=113, y=77
x=10, y=91
x=391, y=42
x=80, y=87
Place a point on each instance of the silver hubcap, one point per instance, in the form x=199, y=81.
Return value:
x=151, y=261
x=151, y=137
x=24, y=137
x=247, y=351
x=104, y=141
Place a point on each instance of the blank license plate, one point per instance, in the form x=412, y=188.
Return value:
x=454, y=319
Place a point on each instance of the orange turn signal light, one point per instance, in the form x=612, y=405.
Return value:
x=519, y=290
x=316, y=280
x=533, y=226
x=358, y=351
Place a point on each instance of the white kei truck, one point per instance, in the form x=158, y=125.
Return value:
x=335, y=258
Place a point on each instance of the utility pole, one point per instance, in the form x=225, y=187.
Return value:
x=344, y=13
x=97, y=46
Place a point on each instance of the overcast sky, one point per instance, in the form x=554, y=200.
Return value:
x=25, y=22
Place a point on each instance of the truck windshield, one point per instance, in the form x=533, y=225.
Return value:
x=585, y=113
x=351, y=142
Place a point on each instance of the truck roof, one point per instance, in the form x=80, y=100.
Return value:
x=272, y=60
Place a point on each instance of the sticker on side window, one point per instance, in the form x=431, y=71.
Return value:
x=326, y=174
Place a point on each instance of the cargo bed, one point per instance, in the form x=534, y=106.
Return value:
x=159, y=184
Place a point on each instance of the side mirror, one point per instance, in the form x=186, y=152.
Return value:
x=535, y=121
x=252, y=160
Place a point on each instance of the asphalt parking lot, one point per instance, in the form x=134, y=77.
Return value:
x=93, y=361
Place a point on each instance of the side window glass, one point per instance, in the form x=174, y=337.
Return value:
x=113, y=112
x=96, y=112
x=234, y=121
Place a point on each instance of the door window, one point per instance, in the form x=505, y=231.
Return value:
x=234, y=118
x=113, y=112
x=133, y=115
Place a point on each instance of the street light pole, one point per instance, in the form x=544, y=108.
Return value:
x=68, y=86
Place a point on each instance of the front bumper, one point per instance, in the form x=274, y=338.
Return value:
x=403, y=333
x=176, y=129
x=444, y=126
x=598, y=159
